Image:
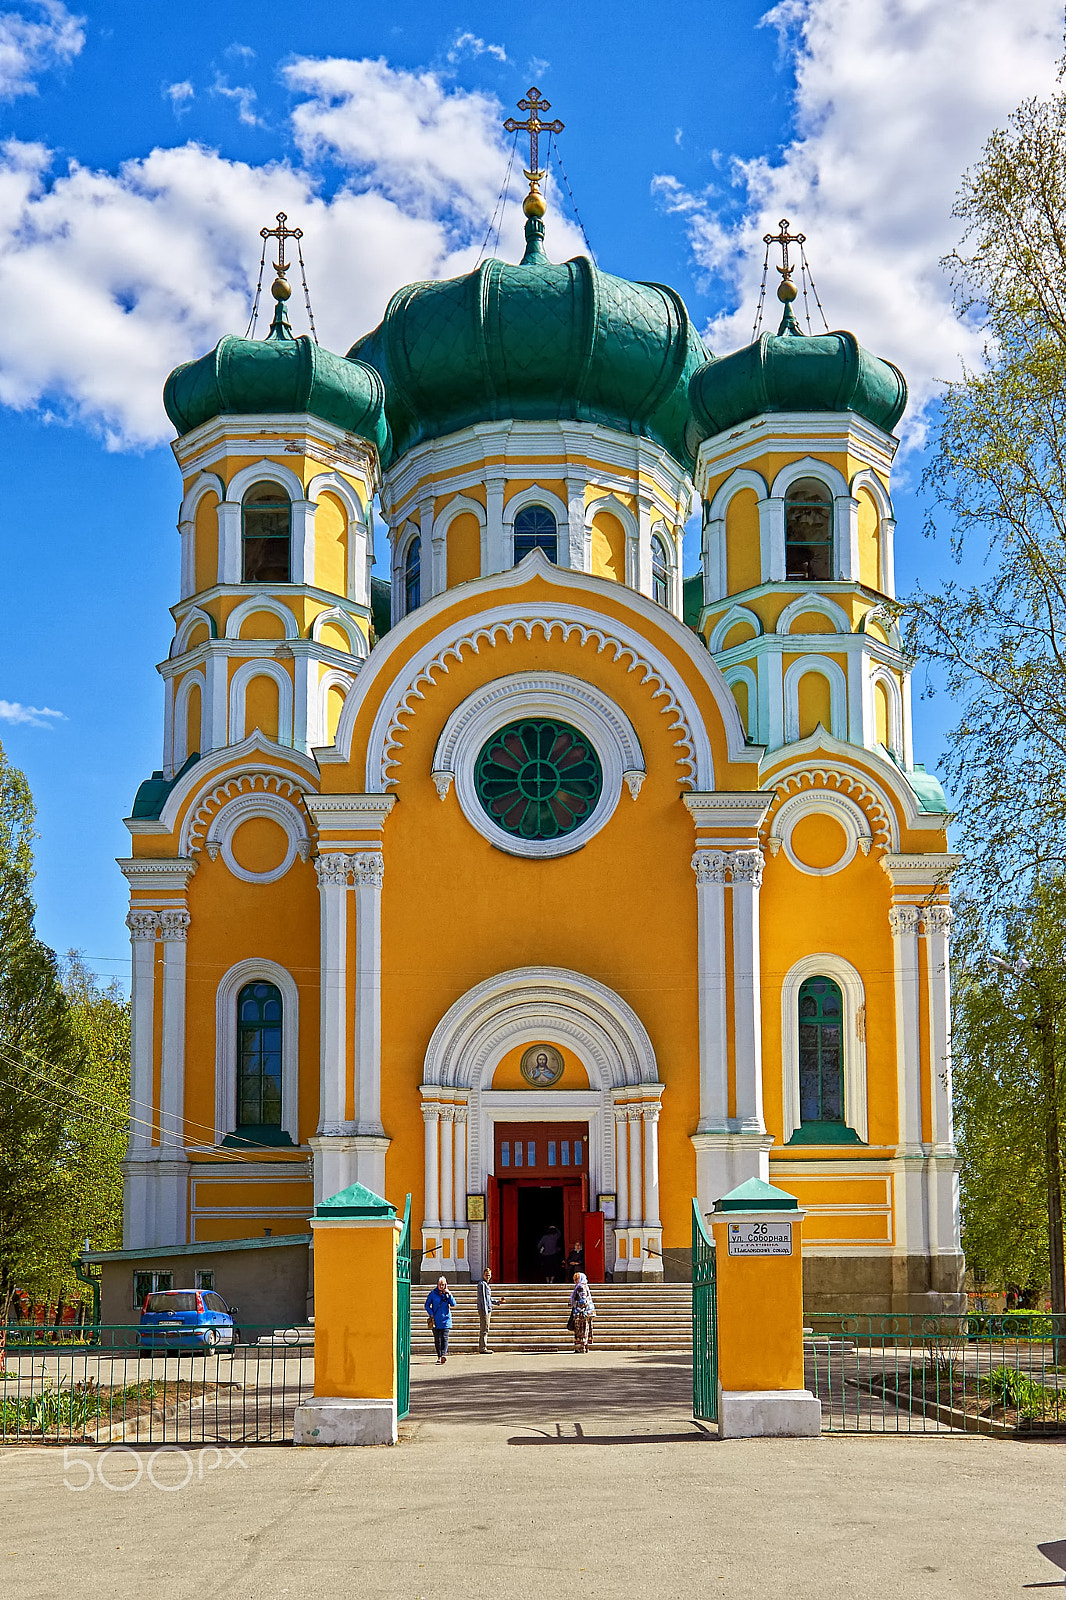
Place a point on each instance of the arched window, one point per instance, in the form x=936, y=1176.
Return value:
x=534, y=529
x=821, y=1052
x=809, y=531
x=660, y=573
x=258, y=1057
x=266, y=535
x=412, y=576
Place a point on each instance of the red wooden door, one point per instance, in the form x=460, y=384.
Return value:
x=509, y=1231
x=573, y=1210
x=595, y=1258
x=492, y=1213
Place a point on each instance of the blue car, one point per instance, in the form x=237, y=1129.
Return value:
x=194, y=1320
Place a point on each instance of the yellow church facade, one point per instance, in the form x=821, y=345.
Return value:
x=543, y=883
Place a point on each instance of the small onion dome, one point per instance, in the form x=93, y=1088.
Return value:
x=795, y=371
x=537, y=342
x=278, y=374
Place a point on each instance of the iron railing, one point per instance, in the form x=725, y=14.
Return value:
x=95, y=1385
x=996, y=1374
x=403, y=1316
x=704, y=1321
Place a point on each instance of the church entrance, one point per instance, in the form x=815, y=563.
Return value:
x=538, y=1203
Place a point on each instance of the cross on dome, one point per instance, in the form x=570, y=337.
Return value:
x=280, y=288
x=534, y=103
x=786, y=289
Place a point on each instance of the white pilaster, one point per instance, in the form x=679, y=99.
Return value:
x=459, y=1209
x=941, y=1175
x=651, y=1165
x=171, y=1217
x=636, y=1184
x=645, y=510
x=431, y=1116
x=368, y=871
x=575, y=550
x=746, y=870
x=711, y=869
x=621, y=1166
x=215, y=710
x=496, y=556
x=302, y=557
x=447, y=1167
x=715, y=576
x=144, y=931
x=229, y=542
x=332, y=871
x=772, y=539
x=911, y=1215
x=187, y=534
x=846, y=537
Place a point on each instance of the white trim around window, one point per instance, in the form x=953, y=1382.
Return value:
x=847, y=978
x=256, y=970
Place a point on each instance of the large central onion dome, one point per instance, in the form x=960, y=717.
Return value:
x=536, y=342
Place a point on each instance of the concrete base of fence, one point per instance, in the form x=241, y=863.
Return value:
x=335, y=1420
x=768, y=1414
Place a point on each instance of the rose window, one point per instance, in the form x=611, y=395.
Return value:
x=538, y=779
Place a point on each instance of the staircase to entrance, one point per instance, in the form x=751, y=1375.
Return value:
x=655, y=1317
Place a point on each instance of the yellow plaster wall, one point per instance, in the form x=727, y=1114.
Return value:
x=740, y=695
x=508, y=1073
x=553, y=486
x=334, y=706
x=197, y=636
x=331, y=545
x=206, y=537
x=193, y=713
x=608, y=547
x=261, y=707
x=814, y=698
x=811, y=622
x=869, y=541
x=743, y=559
x=259, y=845
x=335, y=637
x=464, y=549
x=739, y=633
x=881, y=713
x=262, y=625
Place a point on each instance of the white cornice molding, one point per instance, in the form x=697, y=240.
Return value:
x=286, y=433
x=260, y=650
x=275, y=591
x=920, y=871
x=725, y=808
x=152, y=873
x=354, y=812
x=797, y=430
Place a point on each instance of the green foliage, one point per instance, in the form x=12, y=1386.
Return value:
x=64, y=1074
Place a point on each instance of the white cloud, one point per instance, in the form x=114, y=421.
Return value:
x=179, y=94
x=32, y=716
x=239, y=52
x=244, y=97
x=469, y=44
x=31, y=44
x=895, y=99
x=119, y=276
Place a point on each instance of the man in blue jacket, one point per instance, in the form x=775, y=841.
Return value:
x=439, y=1304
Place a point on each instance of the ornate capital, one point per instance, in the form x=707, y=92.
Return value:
x=447, y=1113
x=710, y=866
x=174, y=924
x=460, y=1113
x=650, y=1112
x=332, y=870
x=903, y=919
x=937, y=920
x=746, y=867
x=143, y=925
x=368, y=869
x=431, y=1110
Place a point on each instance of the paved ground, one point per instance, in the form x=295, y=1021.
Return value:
x=543, y=1476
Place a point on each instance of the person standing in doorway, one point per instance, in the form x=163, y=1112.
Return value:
x=486, y=1305
x=582, y=1311
x=550, y=1250
x=439, y=1307
x=575, y=1260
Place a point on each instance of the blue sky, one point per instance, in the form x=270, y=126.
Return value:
x=141, y=149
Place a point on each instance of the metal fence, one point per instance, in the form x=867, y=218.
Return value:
x=1003, y=1375
x=704, y=1321
x=95, y=1385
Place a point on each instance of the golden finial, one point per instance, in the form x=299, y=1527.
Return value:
x=533, y=205
x=786, y=289
x=281, y=288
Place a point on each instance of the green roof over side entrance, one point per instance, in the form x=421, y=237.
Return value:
x=754, y=1195
x=355, y=1201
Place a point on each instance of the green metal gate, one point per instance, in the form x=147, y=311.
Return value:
x=704, y=1321
x=403, y=1316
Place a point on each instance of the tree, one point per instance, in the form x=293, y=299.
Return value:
x=62, y=1051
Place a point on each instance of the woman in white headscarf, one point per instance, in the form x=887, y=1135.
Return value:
x=582, y=1312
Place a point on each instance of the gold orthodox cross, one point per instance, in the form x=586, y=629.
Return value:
x=534, y=104
x=281, y=233
x=784, y=239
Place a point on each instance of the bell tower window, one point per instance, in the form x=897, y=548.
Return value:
x=535, y=529
x=266, y=535
x=808, y=532
x=412, y=576
x=660, y=573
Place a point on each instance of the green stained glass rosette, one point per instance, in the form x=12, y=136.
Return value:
x=538, y=779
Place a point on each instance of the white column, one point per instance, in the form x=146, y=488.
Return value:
x=431, y=1114
x=936, y=926
x=772, y=539
x=302, y=561
x=573, y=540
x=621, y=1166
x=644, y=515
x=715, y=576
x=187, y=534
x=229, y=542
x=171, y=1196
x=332, y=873
x=447, y=1178
x=144, y=930
x=169, y=730
x=636, y=1199
x=651, y=1166
x=214, y=732
x=888, y=557
x=746, y=867
x=711, y=868
x=460, y=1166
x=305, y=703
x=368, y=871
x=903, y=920
x=846, y=530
x=497, y=557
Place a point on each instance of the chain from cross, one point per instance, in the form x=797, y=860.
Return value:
x=784, y=239
x=534, y=104
x=281, y=233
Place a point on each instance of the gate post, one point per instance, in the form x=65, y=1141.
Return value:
x=758, y=1245
x=356, y=1234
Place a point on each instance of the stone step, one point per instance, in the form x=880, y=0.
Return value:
x=654, y=1317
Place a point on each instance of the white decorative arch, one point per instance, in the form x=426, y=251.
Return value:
x=256, y=969
x=401, y=544
x=256, y=602
x=188, y=622
x=242, y=808
x=817, y=603
x=879, y=806
x=829, y=802
x=264, y=471
x=851, y=987
x=206, y=483
x=742, y=478
x=348, y=626
x=334, y=678
x=460, y=506
x=866, y=478
x=674, y=697
x=734, y=615
x=334, y=483
x=744, y=674
x=810, y=467
x=610, y=505
x=525, y=1004
x=260, y=667
x=884, y=620
x=838, y=695
x=180, y=747
x=534, y=495
x=538, y=694
x=250, y=768
x=895, y=711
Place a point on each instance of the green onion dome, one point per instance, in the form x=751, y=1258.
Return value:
x=794, y=371
x=275, y=375
x=536, y=342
